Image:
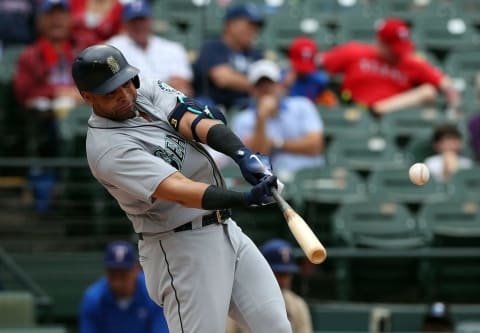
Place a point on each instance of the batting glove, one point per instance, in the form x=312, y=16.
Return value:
x=261, y=194
x=254, y=167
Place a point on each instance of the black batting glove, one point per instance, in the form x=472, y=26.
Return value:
x=261, y=194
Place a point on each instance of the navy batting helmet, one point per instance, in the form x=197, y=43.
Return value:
x=101, y=69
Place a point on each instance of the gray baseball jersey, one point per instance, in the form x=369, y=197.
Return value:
x=198, y=275
x=154, y=151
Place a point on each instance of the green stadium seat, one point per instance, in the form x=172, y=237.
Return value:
x=406, y=124
x=379, y=224
x=383, y=225
x=395, y=185
x=465, y=183
x=73, y=130
x=17, y=309
x=358, y=28
x=319, y=191
x=451, y=223
x=445, y=34
x=64, y=277
x=351, y=120
x=365, y=153
x=463, y=64
x=455, y=223
x=8, y=62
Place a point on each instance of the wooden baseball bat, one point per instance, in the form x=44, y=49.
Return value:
x=305, y=237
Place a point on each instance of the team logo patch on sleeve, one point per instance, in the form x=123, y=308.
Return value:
x=167, y=88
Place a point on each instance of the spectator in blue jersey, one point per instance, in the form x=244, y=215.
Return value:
x=303, y=78
x=221, y=66
x=119, y=302
x=286, y=127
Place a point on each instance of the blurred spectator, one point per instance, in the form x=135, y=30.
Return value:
x=44, y=86
x=119, y=302
x=42, y=77
x=155, y=56
x=387, y=76
x=437, y=318
x=17, y=19
x=221, y=67
x=288, y=128
x=95, y=21
x=448, y=143
x=303, y=78
x=279, y=254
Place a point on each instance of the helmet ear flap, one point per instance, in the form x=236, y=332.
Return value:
x=136, y=81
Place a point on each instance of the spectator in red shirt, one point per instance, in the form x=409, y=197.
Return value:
x=387, y=76
x=43, y=85
x=95, y=21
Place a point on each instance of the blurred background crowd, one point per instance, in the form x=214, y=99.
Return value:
x=344, y=95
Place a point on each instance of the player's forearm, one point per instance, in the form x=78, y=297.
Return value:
x=222, y=139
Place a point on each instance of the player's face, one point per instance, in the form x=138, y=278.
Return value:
x=118, y=104
x=122, y=282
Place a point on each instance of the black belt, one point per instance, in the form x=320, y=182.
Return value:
x=218, y=216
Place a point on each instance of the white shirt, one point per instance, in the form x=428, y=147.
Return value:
x=436, y=165
x=161, y=59
x=296, y=118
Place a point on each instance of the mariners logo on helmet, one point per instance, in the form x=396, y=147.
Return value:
x=113, y=64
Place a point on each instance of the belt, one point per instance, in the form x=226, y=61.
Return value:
x=218, y=216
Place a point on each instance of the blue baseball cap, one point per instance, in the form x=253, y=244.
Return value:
x=47, y=5
x=248, y=11
x=120, y=254
x=136, y=9
x=279, y=254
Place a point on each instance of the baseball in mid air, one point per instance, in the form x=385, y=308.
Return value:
x=419, y=174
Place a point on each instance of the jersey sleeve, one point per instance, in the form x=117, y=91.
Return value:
x=157, y=97
x=132, y=168
x=427, y=73
x=337, y=59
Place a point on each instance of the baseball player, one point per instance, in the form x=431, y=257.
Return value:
x=143, y=145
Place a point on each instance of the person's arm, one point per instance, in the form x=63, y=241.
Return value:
x=420, y=95
x=224, y=76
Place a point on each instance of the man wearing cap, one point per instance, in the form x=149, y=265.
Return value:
x=287, y=128
x=279, y=254
x=155, y=56
x=303, y=78
x=119, y=302
x=221, y=67
x=387, y=76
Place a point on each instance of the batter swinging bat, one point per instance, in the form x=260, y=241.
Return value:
x=305, y=237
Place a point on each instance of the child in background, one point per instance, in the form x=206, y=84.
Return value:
x=448, y=143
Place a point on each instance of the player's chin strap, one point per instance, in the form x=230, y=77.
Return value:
x=187, y=104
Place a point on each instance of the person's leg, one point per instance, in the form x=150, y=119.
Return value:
x=190, y=274
x=257, y=302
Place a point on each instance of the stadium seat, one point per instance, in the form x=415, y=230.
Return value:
x=8, y=62
x=463, y=64
x=43, y=329
x=452, y=223
x=17, y=309
x=455, y=223
x=404, y=125
x=446, y=34
x=465, y=183
x=358, y=28
x=377, y=223
x=73, y=130
x=346, y=119
x=365, y=153
x=395, y=185
x=382, y=225
x=321, y=190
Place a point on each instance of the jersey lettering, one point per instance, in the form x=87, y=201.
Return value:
x=173, y=152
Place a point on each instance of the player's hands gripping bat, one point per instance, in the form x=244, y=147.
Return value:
x=261, y=194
